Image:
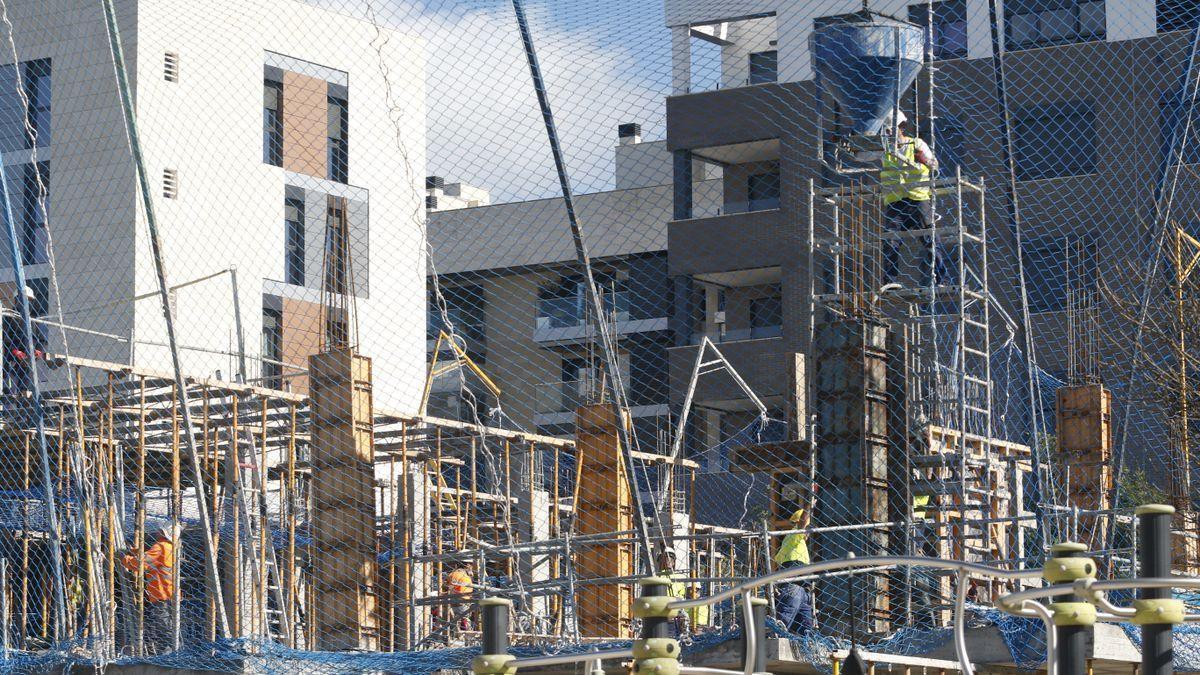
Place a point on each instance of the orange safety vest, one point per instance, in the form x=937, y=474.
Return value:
x=159, y=563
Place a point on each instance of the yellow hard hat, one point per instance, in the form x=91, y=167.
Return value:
x=797, y=516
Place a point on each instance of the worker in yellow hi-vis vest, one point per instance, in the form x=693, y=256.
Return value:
x=793, y=602
x=908, y=203
x=697, y=617
x=924, y=543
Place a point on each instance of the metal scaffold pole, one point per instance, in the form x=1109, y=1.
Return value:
x=118, y=57
x=610, y=354
x=39, y=420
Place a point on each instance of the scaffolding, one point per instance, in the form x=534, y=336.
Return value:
x=926, y=347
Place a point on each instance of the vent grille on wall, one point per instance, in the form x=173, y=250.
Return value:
x=171, y=67
x=170, y=183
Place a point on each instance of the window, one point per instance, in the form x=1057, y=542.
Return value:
x=1047, y=255
x=35, y=238
x=1038, y=23
x=762, y=190
x=37, y=88
x=171, y=67
x=949, y=26
x=272, y=122
x=766, y=316
x=170, y=183
x=21, y=125
x=293, y=245
x=1175, y=15
x=1184, y=149
x=764, y=67
x=272, y=348
x=337, y=247
x=464, y=307
x=1054, y=140
x=339, y=147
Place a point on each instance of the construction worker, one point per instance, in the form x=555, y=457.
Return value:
x=924, y=543
x=159, y=568
x=18, y=365
x=907, y=207
x=460, y=584
x=695, y=616
x=793, y=602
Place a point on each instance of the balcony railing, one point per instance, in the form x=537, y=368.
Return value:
x=570, y=311
x=735, y=334
x=730, y=208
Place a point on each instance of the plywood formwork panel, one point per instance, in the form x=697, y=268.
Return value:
x=343, y=501
x=605, y=505
x=1085, y=442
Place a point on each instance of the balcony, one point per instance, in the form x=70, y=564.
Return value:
x=709, y=55
x=564, y=319
x=742, y=178
x=735, y=305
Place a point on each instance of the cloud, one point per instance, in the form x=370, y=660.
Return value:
x=604, y=64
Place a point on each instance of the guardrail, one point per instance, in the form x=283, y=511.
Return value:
x=1079, y=602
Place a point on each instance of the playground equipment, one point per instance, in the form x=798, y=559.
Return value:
x=1077, y=602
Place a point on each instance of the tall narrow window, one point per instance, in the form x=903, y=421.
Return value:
x=293, y=223
x=37, y=89
x=272, y=348
x=339, y=142
x=337, y=249
x=273, y=122
x=35, y=240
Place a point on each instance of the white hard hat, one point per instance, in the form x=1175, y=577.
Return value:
x=901, y=118
x=29, y=293
x=171, y=531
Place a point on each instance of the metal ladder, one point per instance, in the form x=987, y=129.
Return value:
x=253, y=508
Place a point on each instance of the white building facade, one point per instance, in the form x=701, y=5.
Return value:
x=269, y=129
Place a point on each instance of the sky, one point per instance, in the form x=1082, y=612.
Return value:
x=605, y=63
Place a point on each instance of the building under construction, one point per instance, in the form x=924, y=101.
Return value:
x=357, y=399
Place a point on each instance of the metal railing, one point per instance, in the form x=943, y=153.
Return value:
x=1071, y=575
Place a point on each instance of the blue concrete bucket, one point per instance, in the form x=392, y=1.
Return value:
x=863, y=65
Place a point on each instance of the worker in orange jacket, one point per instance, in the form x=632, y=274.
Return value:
x=159, y=568
x=460, y=583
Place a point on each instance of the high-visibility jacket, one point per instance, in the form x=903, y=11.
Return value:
x=697, y=616
x=903, y=168
x=159, y=561
x=459, y=582
x=919, y=504
x=794, y=549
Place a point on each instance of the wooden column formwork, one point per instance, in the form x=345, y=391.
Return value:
x=343, y=502
x=1085, y=442
x=605, y=504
